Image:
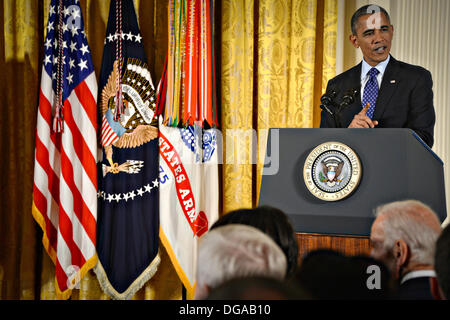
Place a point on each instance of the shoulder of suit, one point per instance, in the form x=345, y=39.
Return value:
x=404, y=67
x=411, y=67
x=347, y=73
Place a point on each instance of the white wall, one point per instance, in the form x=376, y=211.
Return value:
x=421, y=37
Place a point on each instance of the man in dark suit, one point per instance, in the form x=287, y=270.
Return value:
x=441, y=286
x=403, y=237
x=392, y=95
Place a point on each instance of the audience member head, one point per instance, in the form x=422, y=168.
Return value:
x=404, y=235
x=378, y=279
x=256, y=288
x=273, y=222
x=236, y=251
x=328, y=274
x=441, y=288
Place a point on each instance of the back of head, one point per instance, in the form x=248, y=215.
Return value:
x=413, y=222
x=328, y=274
x=442, y=261
x=376, y=277
x=319, y=273
x=364, y=10
x=273, y=222
x=256, y=288
x=237, y=251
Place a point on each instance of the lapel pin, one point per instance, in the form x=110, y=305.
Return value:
x=392, y=81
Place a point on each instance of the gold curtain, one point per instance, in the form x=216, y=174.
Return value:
x=274, y=59
x=19, y=83
x=277, y=56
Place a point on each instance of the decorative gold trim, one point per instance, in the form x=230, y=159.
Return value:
x=61, y=295
x=190, y=289
x=137, y=284
x=37, y=215
x=64, y=295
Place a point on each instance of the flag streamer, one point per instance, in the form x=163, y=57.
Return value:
x=190, y=86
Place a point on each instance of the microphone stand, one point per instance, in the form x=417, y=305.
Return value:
x=347, y=99
x=327, y=101
x=328, y=104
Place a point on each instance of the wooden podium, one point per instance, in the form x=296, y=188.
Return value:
x=395, y=164
x=348, y=245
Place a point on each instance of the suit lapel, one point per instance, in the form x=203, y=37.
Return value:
x=354, y=82
x=388, y=87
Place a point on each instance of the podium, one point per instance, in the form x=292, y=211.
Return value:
x=395, y=164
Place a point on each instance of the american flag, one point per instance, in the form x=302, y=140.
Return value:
x=65, y=173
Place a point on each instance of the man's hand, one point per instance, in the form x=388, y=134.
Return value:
x=361, y=120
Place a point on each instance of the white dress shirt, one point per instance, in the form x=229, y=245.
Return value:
x=418, y=274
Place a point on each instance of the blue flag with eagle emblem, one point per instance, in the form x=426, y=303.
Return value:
x=128, y=185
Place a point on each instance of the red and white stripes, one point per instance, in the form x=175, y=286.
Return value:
x=108, y=136
x=65, y=181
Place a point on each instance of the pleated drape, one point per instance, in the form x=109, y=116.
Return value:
x=19, y=32
x=277, y=57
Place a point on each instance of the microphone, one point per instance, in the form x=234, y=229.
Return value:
x=327, y=100
x=349, y=97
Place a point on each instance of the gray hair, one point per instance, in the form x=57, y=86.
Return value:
x=364, y=10
x=236, y=250
x=413, y=222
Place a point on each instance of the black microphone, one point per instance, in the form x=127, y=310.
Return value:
x=349, y=97
x=327, y=100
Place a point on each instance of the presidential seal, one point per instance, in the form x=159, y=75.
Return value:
x=136, y=125
x=332, y=171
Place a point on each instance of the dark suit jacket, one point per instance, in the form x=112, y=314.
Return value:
x=405, y=99
x=415, y=289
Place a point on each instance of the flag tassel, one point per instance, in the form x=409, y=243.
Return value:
x=119, y=108
x=58, y=118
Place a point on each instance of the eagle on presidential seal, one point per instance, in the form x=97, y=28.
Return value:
x=331, y=170
x=136, y=126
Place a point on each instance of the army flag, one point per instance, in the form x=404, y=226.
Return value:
x=65, y=177
x=189, y=194
x=128, y=213
x=189, y=142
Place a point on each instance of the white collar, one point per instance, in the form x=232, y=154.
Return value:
x=418, y=274
x=380, y=67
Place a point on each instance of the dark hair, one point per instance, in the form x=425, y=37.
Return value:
x=273, y=222
x=257, y=288
x=367, y=9
x=442, y=261
x=328, y=274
